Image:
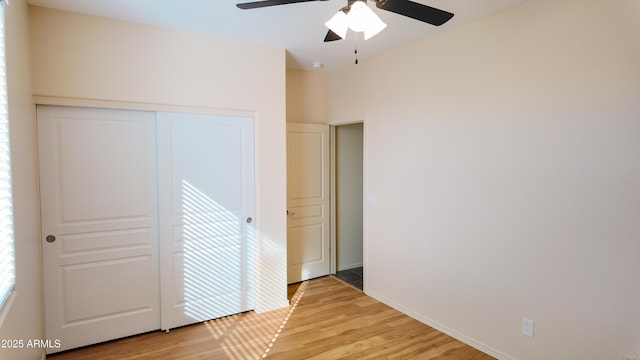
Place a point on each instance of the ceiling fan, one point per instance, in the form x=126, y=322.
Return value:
x=407, y=8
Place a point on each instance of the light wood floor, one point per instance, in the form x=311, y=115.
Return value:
x=328, y=319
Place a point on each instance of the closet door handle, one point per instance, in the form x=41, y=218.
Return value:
x=50, y=238
x=249, y=220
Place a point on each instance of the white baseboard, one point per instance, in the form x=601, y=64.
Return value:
x=442, y=328
x=350, y=266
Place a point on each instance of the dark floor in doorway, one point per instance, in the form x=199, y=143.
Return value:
x=351, y=276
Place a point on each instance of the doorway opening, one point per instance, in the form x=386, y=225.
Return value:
x=347, y=203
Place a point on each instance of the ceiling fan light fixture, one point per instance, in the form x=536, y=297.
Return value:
x=362, y=18
x=374, y=26
x=359, y=18
x=339, y=24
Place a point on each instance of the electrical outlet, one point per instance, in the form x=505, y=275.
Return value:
x=527, y=327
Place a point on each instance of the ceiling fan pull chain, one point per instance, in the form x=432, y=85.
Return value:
x=356, y=50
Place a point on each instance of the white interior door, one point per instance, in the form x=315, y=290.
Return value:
x=206, y=182
x=99, y=224
x=308, y=179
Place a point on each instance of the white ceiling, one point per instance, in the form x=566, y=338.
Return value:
x=298, y=28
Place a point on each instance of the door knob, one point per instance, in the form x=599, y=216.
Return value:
x=249, y=220
x=50, y=238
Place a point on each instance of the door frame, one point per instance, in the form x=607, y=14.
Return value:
x=333, y=199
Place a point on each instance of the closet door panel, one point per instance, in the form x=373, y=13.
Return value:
x=206, y=207
x=99, y=224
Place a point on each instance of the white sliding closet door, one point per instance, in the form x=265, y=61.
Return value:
x=206, y=196
x=99, y=224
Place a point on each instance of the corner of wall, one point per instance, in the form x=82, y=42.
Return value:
x=24, y=319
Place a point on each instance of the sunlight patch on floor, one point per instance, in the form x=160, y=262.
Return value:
x=294, y=303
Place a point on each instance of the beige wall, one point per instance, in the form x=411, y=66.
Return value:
x=23, y=319
x=84, y=60
x=306, y=96
x=504, y=156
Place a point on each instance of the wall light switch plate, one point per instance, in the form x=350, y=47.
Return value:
x=372, y=200
x=527, y=327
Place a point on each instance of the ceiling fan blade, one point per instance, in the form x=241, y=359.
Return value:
x=416, y=11
x=331, y=36
x=265, y=3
